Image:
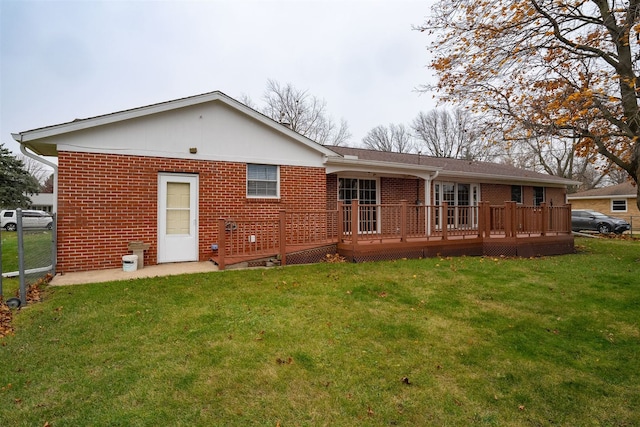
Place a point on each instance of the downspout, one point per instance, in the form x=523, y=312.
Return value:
x=33, y=156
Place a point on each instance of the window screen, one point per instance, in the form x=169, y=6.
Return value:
x=262, y=180
x=619, y=205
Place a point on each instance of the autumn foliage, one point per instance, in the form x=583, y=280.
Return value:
x=563, y=68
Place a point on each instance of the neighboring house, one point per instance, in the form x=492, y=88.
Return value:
x=616, y=200
x=166, y=174
x=42, y=202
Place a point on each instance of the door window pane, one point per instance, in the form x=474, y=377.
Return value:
x=347, y=190
x=464, y=194
x=178, y=207
x=368, y=195
x=365, y=192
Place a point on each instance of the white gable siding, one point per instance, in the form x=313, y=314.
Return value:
x=217, y=131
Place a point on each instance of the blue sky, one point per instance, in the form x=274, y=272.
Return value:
x=61, y=60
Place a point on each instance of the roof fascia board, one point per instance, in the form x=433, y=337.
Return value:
x=617, y=196
x=501, y=179
x=335, y=164
x=119, y=116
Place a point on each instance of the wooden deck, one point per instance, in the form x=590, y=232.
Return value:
x=498, y=245
x=397, y=231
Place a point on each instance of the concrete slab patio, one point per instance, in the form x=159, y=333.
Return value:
x=110, y=275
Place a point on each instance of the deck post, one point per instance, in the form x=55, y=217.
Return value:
x=545, y=218
x=355, y=221
x=444, y=220
x=482, y=225
x=403, y=220
x=568, y=220
x=340, y=221
x=222, y=243
x=510, y=219
x=283, y=236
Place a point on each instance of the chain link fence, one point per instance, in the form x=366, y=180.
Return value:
x=27, y=254
x=634, y=221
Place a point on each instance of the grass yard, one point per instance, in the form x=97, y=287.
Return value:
x=37, y=253
x=449, y=342
x=37, y=249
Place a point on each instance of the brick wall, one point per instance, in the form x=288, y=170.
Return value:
x=497, y=194
x=106, y=201
x=393, y=190
x=632, y=215
x=332, y=192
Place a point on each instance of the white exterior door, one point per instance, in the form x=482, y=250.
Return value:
x=177, y=217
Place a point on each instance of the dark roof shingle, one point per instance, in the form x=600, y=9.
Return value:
x=450, y=166
x=625, y=189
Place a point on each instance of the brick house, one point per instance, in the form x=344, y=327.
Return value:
x=165, y=174
x=616, y=200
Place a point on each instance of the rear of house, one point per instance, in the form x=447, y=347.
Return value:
x=166, y=174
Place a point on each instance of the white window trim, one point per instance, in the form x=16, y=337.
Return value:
x=472, y=201
x=378, y=197
x=277, y=196
x=626, y=205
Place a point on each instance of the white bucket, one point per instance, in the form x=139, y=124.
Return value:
x=130, y=263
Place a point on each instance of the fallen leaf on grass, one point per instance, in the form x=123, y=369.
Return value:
x=5, y=320
x=287, y=361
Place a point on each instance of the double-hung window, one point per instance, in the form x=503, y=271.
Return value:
x=262, y=181
x=538, y=196
x=516, y=193
x=619, y=205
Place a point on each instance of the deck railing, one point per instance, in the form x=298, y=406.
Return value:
x=385, y=222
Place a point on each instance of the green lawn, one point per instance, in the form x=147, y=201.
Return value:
x=37, y=253
x=448, y=342
x=37, y=249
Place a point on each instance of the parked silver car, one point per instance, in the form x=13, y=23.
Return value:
x=30, y=219
x=582, y=219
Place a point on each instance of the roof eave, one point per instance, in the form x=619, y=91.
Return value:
x=609, y=196
x=334, y=164
x=491, y=178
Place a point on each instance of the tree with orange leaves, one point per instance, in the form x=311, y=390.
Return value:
x=562, y=68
